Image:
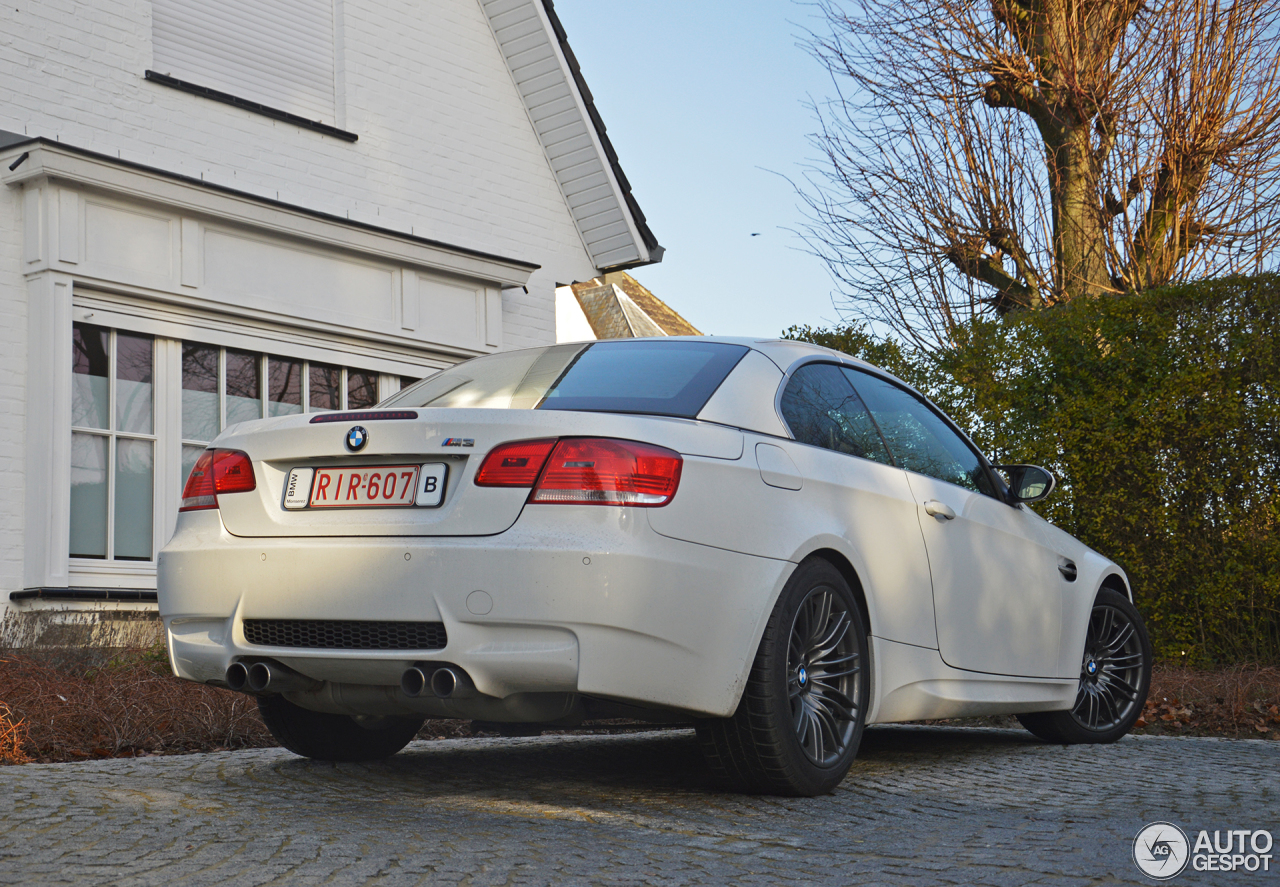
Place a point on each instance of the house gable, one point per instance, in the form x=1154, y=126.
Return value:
x=565, y=118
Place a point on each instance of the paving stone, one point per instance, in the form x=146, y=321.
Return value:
x=921, y=806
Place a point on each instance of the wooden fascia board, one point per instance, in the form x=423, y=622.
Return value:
x=57, y=162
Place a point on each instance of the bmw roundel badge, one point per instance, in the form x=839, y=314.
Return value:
x=357, y=437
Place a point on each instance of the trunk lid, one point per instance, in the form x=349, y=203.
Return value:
x=276, y=446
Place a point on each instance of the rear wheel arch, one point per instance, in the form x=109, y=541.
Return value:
x=841, y=563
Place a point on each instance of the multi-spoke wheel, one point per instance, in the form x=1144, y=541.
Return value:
x=800, y=720
x=1115, y=673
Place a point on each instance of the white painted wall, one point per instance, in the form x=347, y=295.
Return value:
x=13, y=374
x=445, y=149
x=571, y=321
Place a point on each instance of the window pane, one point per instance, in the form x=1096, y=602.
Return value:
x=89, y=495
x=654, y=378
x=326, y=387
x=918, y=438
x=89, y=369
x=189, y=456
x=284, y=386
x=199, y=392
x=244, y=387
x=362, y=389
x=133, y=500
x=133, y=383
x=821, y=408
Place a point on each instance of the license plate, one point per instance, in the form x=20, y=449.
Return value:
x=377, y=486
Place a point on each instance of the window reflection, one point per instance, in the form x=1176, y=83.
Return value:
x=919, y=439
x=244, y=386
x=133, y=504
x=362, y=389
x=200, y=411
x=89, y=495
x=822, y=409
x=133, y=383
x=325, y=383
x=284, y=386
x=90, y=371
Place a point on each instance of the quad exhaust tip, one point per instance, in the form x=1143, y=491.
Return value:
x=443, y=682
x=237, y=677
x=265, y=677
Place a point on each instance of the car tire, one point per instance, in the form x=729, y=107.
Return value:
x=1115, y=675
x=330, y=737
x=800, y=720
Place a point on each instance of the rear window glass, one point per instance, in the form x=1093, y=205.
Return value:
x=652, y=378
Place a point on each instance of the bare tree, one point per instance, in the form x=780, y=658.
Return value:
x=988, y=155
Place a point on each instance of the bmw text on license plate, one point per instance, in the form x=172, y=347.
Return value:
x=376, y=486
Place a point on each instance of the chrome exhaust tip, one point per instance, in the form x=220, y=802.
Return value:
x=447, y=682
x=272, y=677
x=260, y=675
x=237, y=677
x=413, y=682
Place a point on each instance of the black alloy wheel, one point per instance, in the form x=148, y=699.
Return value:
x=800, y=720
x=1115, y=675
x=823, y=663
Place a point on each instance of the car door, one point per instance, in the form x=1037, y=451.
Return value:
x=996, y=589
x=848, y=476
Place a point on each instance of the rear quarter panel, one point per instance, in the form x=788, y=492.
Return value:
x=861, y=509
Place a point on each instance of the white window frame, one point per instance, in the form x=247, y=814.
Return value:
x=113, y=435
x=48, y=563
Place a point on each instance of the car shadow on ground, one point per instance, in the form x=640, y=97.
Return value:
x=650, y=763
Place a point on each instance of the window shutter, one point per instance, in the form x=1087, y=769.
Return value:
x=279, y=53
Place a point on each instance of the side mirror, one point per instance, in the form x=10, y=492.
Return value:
x=1028, y=483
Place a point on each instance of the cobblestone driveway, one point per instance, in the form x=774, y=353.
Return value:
x=921, y=806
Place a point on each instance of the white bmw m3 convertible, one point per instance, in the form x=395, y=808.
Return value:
x=772, y=541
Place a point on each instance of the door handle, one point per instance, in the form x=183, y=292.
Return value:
x=939, y=509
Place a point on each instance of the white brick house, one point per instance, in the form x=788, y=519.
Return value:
x=219, y=209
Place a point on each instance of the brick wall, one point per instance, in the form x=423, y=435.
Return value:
x=445, y=148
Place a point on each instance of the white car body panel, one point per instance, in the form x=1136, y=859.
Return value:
x=277, y=445
x=863, y=510
x=618, y=626
x=737, y=402
x=661, y=608
x=993, y=576
x=913, y=683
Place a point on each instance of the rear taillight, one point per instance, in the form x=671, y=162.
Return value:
x=217, y=471
x=514, y=464
x=598, y=471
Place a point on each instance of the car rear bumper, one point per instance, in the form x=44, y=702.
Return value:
x=572, y=599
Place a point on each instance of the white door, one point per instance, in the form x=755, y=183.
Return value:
x=996, y=589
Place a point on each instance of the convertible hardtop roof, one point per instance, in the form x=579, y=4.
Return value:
x=784, y=352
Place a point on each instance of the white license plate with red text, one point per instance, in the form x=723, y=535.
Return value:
x=371, y=487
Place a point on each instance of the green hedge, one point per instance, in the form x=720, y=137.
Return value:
x=1160, y=415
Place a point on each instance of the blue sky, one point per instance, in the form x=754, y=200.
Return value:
x=705, y=104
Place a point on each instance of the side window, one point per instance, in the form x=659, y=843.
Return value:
x=822, y=409
x=918, y=438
